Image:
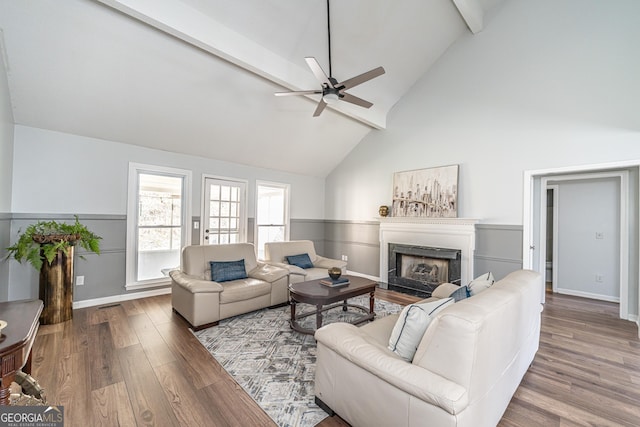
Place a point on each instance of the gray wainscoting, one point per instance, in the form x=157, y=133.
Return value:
x=498, y=249
x=104, y=273
x=359, y=241
x=310, y=229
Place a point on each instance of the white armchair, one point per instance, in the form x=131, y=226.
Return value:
x=203, y=302
x=276, y=253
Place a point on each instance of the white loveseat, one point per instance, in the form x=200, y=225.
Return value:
x=276, y=253
x=467, y=367
x=203, y=302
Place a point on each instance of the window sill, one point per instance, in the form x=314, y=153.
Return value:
x=147, y=284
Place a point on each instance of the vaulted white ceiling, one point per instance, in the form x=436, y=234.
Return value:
x=198, y=76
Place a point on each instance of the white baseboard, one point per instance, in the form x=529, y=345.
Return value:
x=366, y=276
x=587, y=295
x=118, y=298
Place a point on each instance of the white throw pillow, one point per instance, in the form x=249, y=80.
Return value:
x=411, y=325
x=480, y=283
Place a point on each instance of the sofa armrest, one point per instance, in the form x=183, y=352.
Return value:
x=194, y=284
x=268, y=272
x=322, y=262
x=292, y=269
x=349, y=342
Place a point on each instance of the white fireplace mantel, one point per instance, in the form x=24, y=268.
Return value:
x=452, y=233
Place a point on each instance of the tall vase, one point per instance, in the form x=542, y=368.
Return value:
x=56, y=288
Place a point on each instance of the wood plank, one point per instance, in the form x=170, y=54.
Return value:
x=45, y=353
x=105, y=369
x=132, y=307
x=233, y=406
x=157, y=351
x=200, y=367
x=74, y=335
x=111, y=406
x=182, y=397
x=157, y=309
x=75, y=390
x=122, y=334
x=150, y=407
x=586, y=372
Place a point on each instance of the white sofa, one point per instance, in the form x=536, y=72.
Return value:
x=467, y=367
x=203, y=302
x=276, y=254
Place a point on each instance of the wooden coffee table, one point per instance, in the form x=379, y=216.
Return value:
x=326, y=298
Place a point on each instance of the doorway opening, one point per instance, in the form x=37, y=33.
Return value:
x=535, y=207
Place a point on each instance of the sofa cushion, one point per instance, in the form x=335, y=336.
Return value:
x=480, y=283
x=243, y=290
x=224, y=271
x=412, y=322
x=301, y=260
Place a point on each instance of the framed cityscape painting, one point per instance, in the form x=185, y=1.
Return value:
x=428, y=193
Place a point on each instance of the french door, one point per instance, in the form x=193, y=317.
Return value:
x=224, y=217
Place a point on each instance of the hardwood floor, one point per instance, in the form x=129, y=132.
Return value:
x=136, y=363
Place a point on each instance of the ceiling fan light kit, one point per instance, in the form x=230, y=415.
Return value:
x=332, y=91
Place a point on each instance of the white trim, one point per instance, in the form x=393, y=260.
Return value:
x=554, y=259
x=589, y=295
x=163, y=281
x=623, y=266
x=528, y=216
x=287, y=208
x=119, y=298
x=244, y=204
x=131, y=281
x=366, y=276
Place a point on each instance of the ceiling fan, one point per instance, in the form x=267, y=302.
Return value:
x=333, y=91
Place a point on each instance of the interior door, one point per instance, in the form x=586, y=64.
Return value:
x=224, y=218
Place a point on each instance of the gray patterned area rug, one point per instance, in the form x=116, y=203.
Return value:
x=274, y=364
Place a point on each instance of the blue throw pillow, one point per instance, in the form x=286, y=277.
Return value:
x=223, y=271
x=302, y=260
x=460, y=293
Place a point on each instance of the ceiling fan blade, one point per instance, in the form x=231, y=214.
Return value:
x=355, y=100
x=298, y=92
x=364, y=77
x=319, y=108
x=317, y=71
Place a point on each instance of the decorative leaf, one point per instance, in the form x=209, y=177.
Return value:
x=44, y=239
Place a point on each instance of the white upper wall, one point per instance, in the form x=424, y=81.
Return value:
x=546, y=84
x=6, y=138
x=55, y=172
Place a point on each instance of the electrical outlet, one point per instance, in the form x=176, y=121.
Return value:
x=599, y=278
x=79, y=280
x=345, y=258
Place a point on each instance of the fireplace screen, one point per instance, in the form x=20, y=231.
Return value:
x=420, y=269
x=426, y=270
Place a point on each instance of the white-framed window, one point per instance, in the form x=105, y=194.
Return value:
x=272, y=214
x=224, y=210
x=158, y=223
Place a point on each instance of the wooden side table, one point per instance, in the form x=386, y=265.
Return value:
x=16, y=340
